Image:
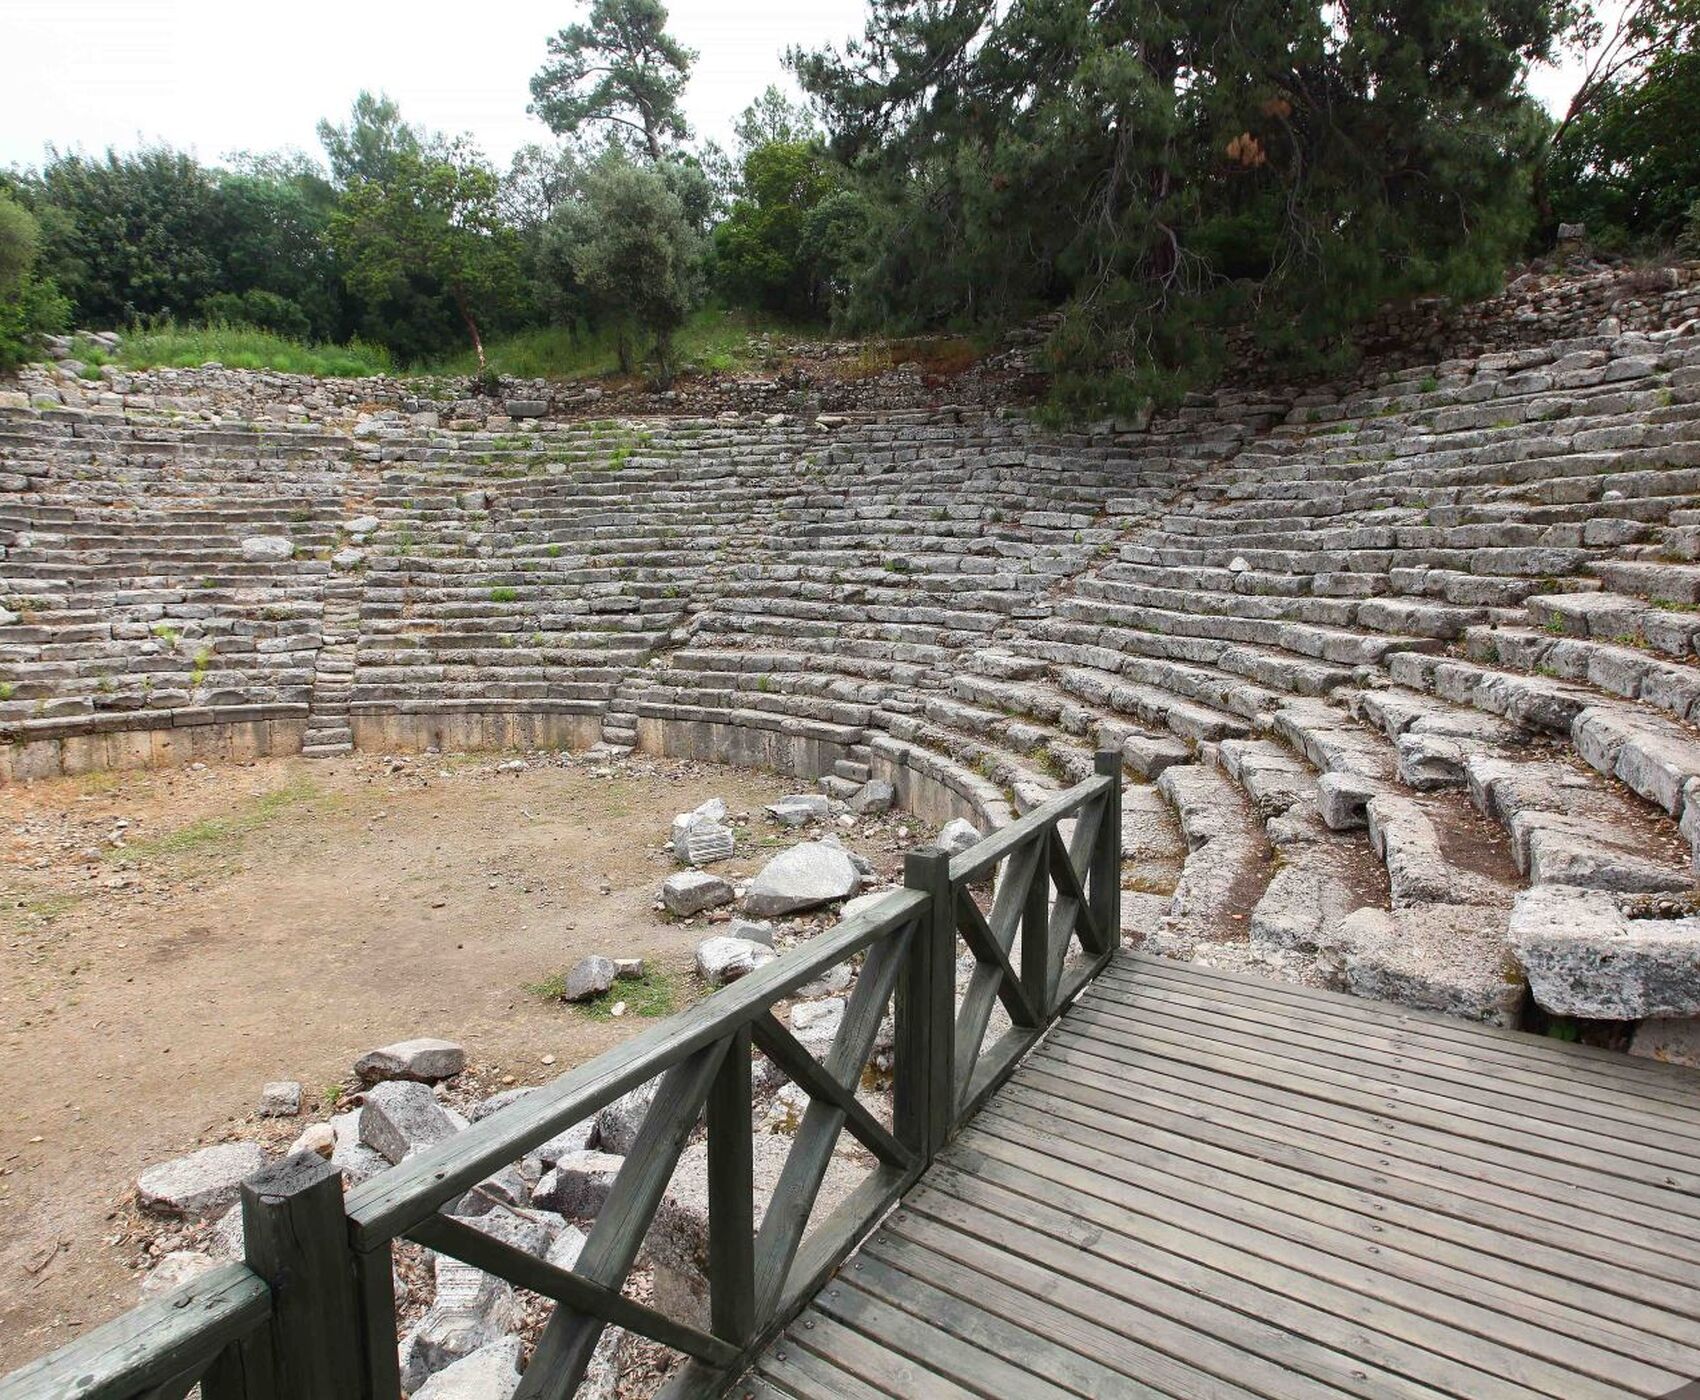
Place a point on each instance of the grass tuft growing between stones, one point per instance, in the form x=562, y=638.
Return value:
x=654, y=994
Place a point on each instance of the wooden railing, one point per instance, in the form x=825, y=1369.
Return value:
x=312, y=1315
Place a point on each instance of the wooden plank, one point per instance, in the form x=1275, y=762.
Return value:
x=387, y=1205
x=295, y=1237
x=564, y=1350
x=1357, y=1297
x=1677, y=1082
x=1053, y=1344
x=1407, y=1282
x=987, y=948
x=1130, y=1264
x=1106, y=859
x=1022, y=881
x=808, y=1377
x=374, y=1286
x=1442, y=1072
x=1575, y=1295
x=1083, y=1320
x=794, y=1195
x=731, y=1197
x=244, y=1370
x=961, y=1347
x=151, y=1343
x=1272, y=1061
x=869, y=1360
x=467, y=1243
x=1610, y=1259
x=922, y=1096
x=1614, y=1199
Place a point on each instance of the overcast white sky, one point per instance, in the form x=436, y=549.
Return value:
x=217, y=76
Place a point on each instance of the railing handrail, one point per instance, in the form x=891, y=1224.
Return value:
x=330, y=1325
x=400, y=1198
x=151, y=1344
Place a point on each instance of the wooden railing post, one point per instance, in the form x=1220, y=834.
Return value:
x=731, y=1197
x=923, y=1101
x=1106, y=884
x=296, y=1238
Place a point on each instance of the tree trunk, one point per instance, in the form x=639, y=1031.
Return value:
x=471, y=328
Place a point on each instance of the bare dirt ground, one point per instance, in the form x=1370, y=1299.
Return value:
x=170, y=941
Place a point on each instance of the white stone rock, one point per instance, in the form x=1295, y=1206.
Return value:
x=490, y=1373
x=361, y=525
x=578, y=1184
x=590, y=977
x=693, y=891
x=721, y=960
x=799, y=809
x=281, y=1099
x=874, y=798
x=958, y=835
x=804, y=877
x=401, y=1116
x=471, y=1310
x=617, y=1124
x=704, y=843
x=201, y=1185
x=425, y=1060
x=267, y=548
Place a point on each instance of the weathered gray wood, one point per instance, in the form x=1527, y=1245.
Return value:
x=989, y=949
x=295, y=1236
x=731, y=1196
x=149, y=1344
x=244, y=1370
x=986, y=983
x=794, y=1195
x=386, y=1206
x=374, y=1285
x=924, y=1049
x=473, y=1246
x=564, y=1350
x=1106, y=860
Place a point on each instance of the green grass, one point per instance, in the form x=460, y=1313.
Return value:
x=713, y=340
x=212, y=833
x=241, y=347
x=654, y=994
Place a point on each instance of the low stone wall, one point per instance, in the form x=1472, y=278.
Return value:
x=388, y=730
x=153, y=739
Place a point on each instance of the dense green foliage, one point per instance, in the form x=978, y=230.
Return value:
x=1175, y=180
x=244, y=347
x=28, y=305
x=633, y=249
x=1167, y=172
x=1622, y=159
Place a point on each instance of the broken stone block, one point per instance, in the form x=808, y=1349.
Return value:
x=590, y=977
x=693, y=892
x=425, y=1060
x=804, y=877
x=1584, y=957
x=490, y=1373
x=578, y=1184
x=471, y=1310
x=201, y=1185
x=617, y=1124
x=800, y=809
x=281, y=1099
x=402, y=1116
x=722, y=960
x=874, y=798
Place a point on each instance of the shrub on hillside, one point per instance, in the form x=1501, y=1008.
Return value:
x=29, y=305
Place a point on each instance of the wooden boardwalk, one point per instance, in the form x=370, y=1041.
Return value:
x=1207, y=1185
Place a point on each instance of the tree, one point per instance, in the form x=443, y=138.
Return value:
x=1622, y=158
x=620, y=71
x=1168, y=172
x=371, y=145
x=436, y=217
x=634, y=251
x=770, y=119
x=28, y=305
x=763, y=255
